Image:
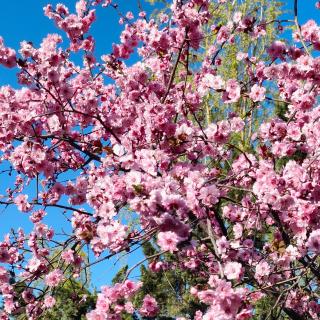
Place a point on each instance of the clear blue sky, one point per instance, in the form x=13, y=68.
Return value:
x=24, y=20
x=306, y=10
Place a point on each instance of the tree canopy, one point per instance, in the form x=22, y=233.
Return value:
x=194, y=141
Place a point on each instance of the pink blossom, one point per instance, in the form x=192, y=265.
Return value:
x=313, y=242
x=54, y=278
x=241, y=56
x=209, y=195
x=68, y=256
x=22, y=203
x=112, y=234
x=49, y=301
x=4, y=255
x=233, y=270
x=149, y=156
x=223, y=245
x=168, y=241
x=28, y=296
x=149, y=306
x=4, y=276
x=257, y=93
x=34, y=264
x=223, y=34
x=237, y=16
x=233, y=91
x=262, y=270
x=214, y=82
x=277, y=50
x=95, y=315
x=129, y=15
x=54, y=123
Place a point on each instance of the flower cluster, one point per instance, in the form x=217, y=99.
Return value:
x=231, y=195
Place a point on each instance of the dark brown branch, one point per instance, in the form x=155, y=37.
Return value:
x=163, y=100
x=7, y=203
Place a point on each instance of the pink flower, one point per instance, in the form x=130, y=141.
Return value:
x=245, y=314
x=129, y=15
x=34, y=264
x=54, y=278
x=223, y=34
x=112, y=234
x=209, y=195
x=129, y=307
x=233, y=270
x=149, y=307
x=223, y=245
x=4, y=276
x=95, y=315
x=128, y=288
x=7, y=55
x=262, y=270
x=168, y=241
x=241, y=56
x=53, y=76
x=66, y=91
x=237, y=124
x=233, y=91
x=54, y=123
x=214, y=82
x=277, y=50
x=22, y=203
x=237, y=230
x=217, y=83
x=37, y=216
x=107, y=3
x=313, y=243
x=68, y=256
x=49, y=301
x=28, y=296
x=9, y=305
x=237, y=17
x=257, y=93
x=4, y=255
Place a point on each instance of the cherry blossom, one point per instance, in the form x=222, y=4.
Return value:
x=257, y=93
x=53, y=278
x=149, y=307
x=162, y=141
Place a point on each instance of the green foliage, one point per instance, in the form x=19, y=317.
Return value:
x=73, y=302
x=73, y=297
x=153, y=2
x=280, y=110
x=171, y=288
x=263, y=307
x=232, y=68
x=119, y=277
x=298, y=156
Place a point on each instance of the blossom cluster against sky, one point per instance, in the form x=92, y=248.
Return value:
x=24, y=20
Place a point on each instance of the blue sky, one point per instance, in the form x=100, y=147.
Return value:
x=24, y=20
x=306, y=10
